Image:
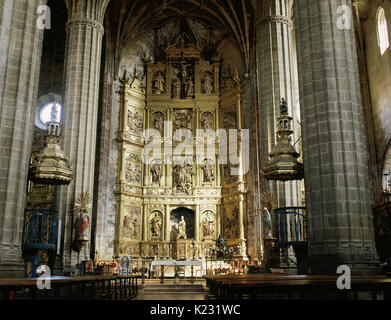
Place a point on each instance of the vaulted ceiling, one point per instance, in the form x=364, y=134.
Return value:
x=207, y=21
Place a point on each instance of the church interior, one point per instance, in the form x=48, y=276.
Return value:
x=236, y=148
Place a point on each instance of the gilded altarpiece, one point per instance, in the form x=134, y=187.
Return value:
x=170, y=206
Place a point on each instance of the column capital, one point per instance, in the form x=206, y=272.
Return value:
x=85, y=21
x=86, y=10
x=274, y=11
x=274, y=19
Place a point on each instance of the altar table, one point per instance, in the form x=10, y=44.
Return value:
x=163, y=263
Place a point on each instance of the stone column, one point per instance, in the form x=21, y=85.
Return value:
x=81, y=94
x=20, y=60
x=197, y=224
x=339, y=212
x=275, y=80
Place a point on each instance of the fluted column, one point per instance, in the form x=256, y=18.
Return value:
x=275, y=80
x=20, y=59
x=81, y=94
x=334, y=141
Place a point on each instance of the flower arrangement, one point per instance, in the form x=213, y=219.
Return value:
x=222, y=251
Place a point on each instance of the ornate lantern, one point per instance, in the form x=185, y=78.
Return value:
x=283, y=164
x=51, y=166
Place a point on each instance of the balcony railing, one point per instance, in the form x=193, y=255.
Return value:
x=291, y=228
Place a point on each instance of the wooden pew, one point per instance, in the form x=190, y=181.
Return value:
x=79, y=288
x=255, y=285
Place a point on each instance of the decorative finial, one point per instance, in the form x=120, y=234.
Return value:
x=125, y=79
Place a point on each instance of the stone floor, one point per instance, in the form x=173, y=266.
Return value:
x=183, y=290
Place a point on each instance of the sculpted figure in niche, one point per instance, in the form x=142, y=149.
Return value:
x=183, y=120
x=176, y=88
x=156, y=226
x=135, y=122
x=126, y=227
x=158, y=122
x=207, y=169
x=207, y=121
x=208, y=224
x=182, y=177
x=156, y=170
x=158, y=87
x=189, y=88
x=182, y=228
x=207, y=84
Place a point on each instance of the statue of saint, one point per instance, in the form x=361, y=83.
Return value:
x=158, y=85
x=208, y=225
x=156, y=225
x=208, y=172
x=182, y=229
x=156, y=170
x=207, y=84
x=283, y=106
x=54, y=112
x=84, y=223
x=158, y=123
x=176, y=88
x=190, y=88
x=267, y=223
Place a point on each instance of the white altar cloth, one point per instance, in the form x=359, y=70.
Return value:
x=178, y=263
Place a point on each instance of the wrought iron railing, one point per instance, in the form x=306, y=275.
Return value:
x=291, y=227
x=39, y=230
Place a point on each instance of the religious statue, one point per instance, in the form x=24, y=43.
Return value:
x=135, y=122
x=183, y=69
x=207, y=84
x=207, y=169
x=156, y=226
x=54, y=112
x=158, y=122
x=126, y=228
x=182, y=229
x=84, y=223
x=208, y=224
x=207, y=121
x=182, y=120
x=283, y=106
x=176, y=88
x=189, y=87
x=267, y=223
x=159, y=84
x=81, y=208
x=156, y=170
x=182, y=177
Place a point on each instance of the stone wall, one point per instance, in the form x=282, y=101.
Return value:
x=379, y=73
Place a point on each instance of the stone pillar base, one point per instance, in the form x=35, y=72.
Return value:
x=327, y=257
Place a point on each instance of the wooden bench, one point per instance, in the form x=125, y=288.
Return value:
x=80, y=288
x=302, y=287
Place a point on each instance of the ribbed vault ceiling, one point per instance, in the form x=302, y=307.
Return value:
x=129, y=19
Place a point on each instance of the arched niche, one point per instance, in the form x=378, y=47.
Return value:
x=175, y=218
